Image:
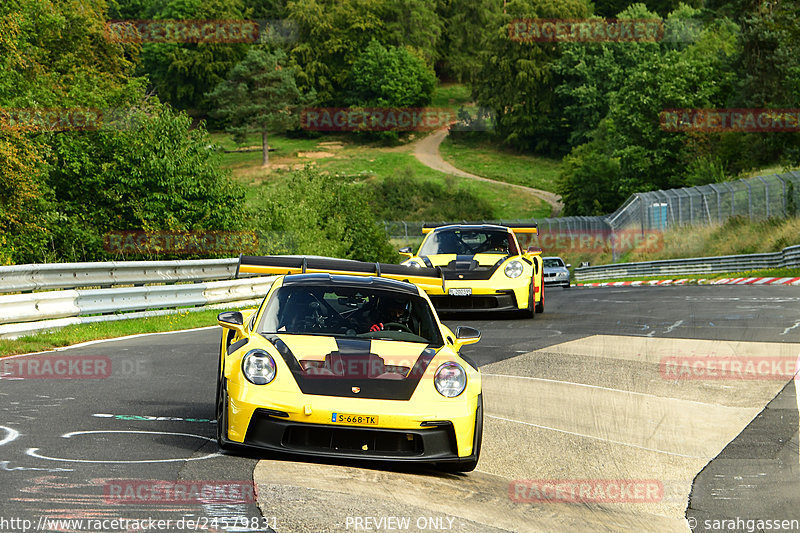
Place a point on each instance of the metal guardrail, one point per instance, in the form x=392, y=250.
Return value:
x=786, y=258
x=30, y=312
x=24, y=278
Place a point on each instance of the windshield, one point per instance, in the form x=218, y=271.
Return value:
x=467, y=242
x=346, y=311
x=553, y=263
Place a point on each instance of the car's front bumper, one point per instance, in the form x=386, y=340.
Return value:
x=500, y=301
x=436, y=443
x=425, y=430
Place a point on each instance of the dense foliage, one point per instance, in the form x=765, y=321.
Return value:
x=312, y=213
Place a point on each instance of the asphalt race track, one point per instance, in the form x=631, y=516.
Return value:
x=587, y=429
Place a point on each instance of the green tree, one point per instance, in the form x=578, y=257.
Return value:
x=390, y=77
x=259, y=95
x=464, y=27
x=24, y=208
x=588, y=182
x=158, y=175
x=183, y=73
x=333, y=33
x=516, y=79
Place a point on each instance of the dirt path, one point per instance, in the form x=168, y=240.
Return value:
x=426, y=150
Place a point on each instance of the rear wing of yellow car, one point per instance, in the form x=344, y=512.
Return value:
x=425, y=278
x=516, y=228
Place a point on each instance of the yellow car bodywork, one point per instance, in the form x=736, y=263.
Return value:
x=240, y=402
x=498, y=292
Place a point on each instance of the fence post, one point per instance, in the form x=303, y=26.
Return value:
x=733, y=198
x=766, y=195
x=783, y=182
x=719, y=202
x=749, y=199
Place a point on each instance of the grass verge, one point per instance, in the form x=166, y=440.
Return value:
x=487, y=158
x=107, y=330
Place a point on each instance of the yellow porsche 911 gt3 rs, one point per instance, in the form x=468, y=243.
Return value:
x=485, y=268
x=348, y=359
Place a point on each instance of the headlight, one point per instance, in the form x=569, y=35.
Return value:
x=258, y=367
x=514, y=269
x=450, y=379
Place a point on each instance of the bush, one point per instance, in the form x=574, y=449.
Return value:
x=390, y=77
x=310, y=213
x=153, y=173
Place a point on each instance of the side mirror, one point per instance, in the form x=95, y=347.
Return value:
x=406, y=252
x=569, y=266
x=232, y=320
x=467, y=335
x=533, y=250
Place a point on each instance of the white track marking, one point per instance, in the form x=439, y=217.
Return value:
x=11, y=434
x=6, y=466
x=34, y=452
x=790, y=328
x=599, y=438
x=673, y=326
x=597, y=387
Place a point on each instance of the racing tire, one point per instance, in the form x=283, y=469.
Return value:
x=222, y=413
x=540, y=305
x=530, y=312
x=477, y=441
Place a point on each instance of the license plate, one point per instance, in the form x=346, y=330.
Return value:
x=354, y=420
x=460, y=292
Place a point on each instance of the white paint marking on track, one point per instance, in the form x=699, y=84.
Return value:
x=790, y=328
x=598, y=438
x=596, y=387
x=34, y=452
x=6, y=466
x=673, y=326
x=11, y=434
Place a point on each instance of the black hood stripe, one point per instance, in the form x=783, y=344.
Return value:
x=335, y=385
x=354, y=346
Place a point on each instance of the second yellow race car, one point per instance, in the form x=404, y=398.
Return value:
x=348, y=359
x=484, y=266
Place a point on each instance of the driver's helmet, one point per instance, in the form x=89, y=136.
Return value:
x=497, y=242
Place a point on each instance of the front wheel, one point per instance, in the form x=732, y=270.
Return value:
x=222, y=414
x=530, y=312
